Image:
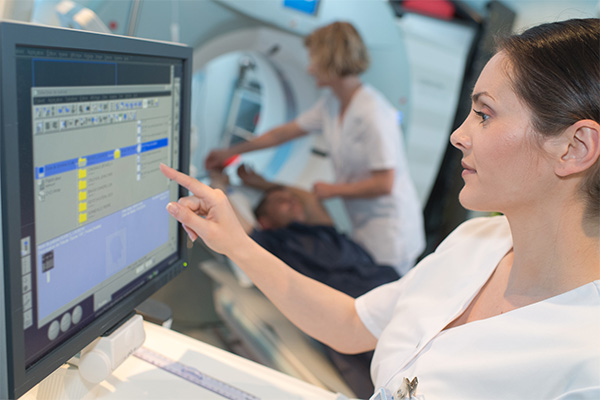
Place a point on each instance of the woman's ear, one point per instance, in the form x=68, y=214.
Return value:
x=578, y=148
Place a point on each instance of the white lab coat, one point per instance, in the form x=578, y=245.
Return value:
x=368, y=138
x=547, y=350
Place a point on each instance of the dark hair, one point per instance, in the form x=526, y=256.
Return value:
x=261, y=208
x=556, y=72
x=338, y=49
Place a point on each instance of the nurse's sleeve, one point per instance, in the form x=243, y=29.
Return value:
x=312, y=119
x=376, y=307
x=591, y=393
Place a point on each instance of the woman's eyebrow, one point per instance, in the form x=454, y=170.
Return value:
x=475, y=96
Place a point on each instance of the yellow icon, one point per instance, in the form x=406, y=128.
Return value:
x=82, y=184
x=82, y=206
x=82, y=162
x=82, y=173
x=82, y=218
x=82, y=196
x=117, y=153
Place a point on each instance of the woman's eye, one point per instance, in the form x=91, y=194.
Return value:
x=484, y=117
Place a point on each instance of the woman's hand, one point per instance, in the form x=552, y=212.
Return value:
x=216, y=159
x=324, y=190
x=380, y=183
x=206, y=214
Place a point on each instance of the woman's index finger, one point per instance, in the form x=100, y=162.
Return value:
x=191, y=184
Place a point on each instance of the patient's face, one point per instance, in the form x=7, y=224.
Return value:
x=283, y=208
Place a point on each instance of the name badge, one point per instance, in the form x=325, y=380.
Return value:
x=406, y=391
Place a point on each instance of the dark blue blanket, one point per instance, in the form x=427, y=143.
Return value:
x=326, y=255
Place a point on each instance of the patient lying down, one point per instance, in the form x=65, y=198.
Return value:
x=295, y=227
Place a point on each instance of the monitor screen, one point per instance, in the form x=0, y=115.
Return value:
x=248, y=114
x=306, y=6
x=86, y=120
x=244, y=115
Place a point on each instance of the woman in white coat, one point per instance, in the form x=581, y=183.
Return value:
x=365, y=145
x=507, y=307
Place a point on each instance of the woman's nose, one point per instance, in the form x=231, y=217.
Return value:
x=460, y=139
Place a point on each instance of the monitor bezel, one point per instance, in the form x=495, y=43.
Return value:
x=13, y=34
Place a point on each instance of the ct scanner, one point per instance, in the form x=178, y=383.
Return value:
x=426, y=92
x=250, y=75
x=417, y=63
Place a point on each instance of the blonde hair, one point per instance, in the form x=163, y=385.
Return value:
x=338, y=49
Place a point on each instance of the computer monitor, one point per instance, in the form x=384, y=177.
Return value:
x=86, y=119
x=244, y=114
x=306, y=6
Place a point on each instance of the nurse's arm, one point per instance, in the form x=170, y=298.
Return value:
x=320, y=311
x=273, y=137
x=379, y=183
x=280, y=134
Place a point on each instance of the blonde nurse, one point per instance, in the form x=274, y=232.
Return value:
x=366, y=147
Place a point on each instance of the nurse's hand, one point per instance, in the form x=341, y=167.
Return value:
x=216, y=159
x=324, y=190
x=207, y=214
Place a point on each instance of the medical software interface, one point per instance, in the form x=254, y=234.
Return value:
x=100, y=125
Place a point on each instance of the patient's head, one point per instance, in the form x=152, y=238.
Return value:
x=278, y=208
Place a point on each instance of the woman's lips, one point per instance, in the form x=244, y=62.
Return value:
x=467, y=170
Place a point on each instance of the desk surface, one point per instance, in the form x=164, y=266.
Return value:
x=137, y=379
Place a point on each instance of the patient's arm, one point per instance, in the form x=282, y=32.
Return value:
x=322, y=312
x=315, y=211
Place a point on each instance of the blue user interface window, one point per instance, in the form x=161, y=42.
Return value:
x=306, y=6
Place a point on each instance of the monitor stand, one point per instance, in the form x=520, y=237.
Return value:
x=95, y=363
x=66, y=383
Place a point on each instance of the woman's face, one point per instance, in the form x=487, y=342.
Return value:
x=322, y=78
x=503, y=167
